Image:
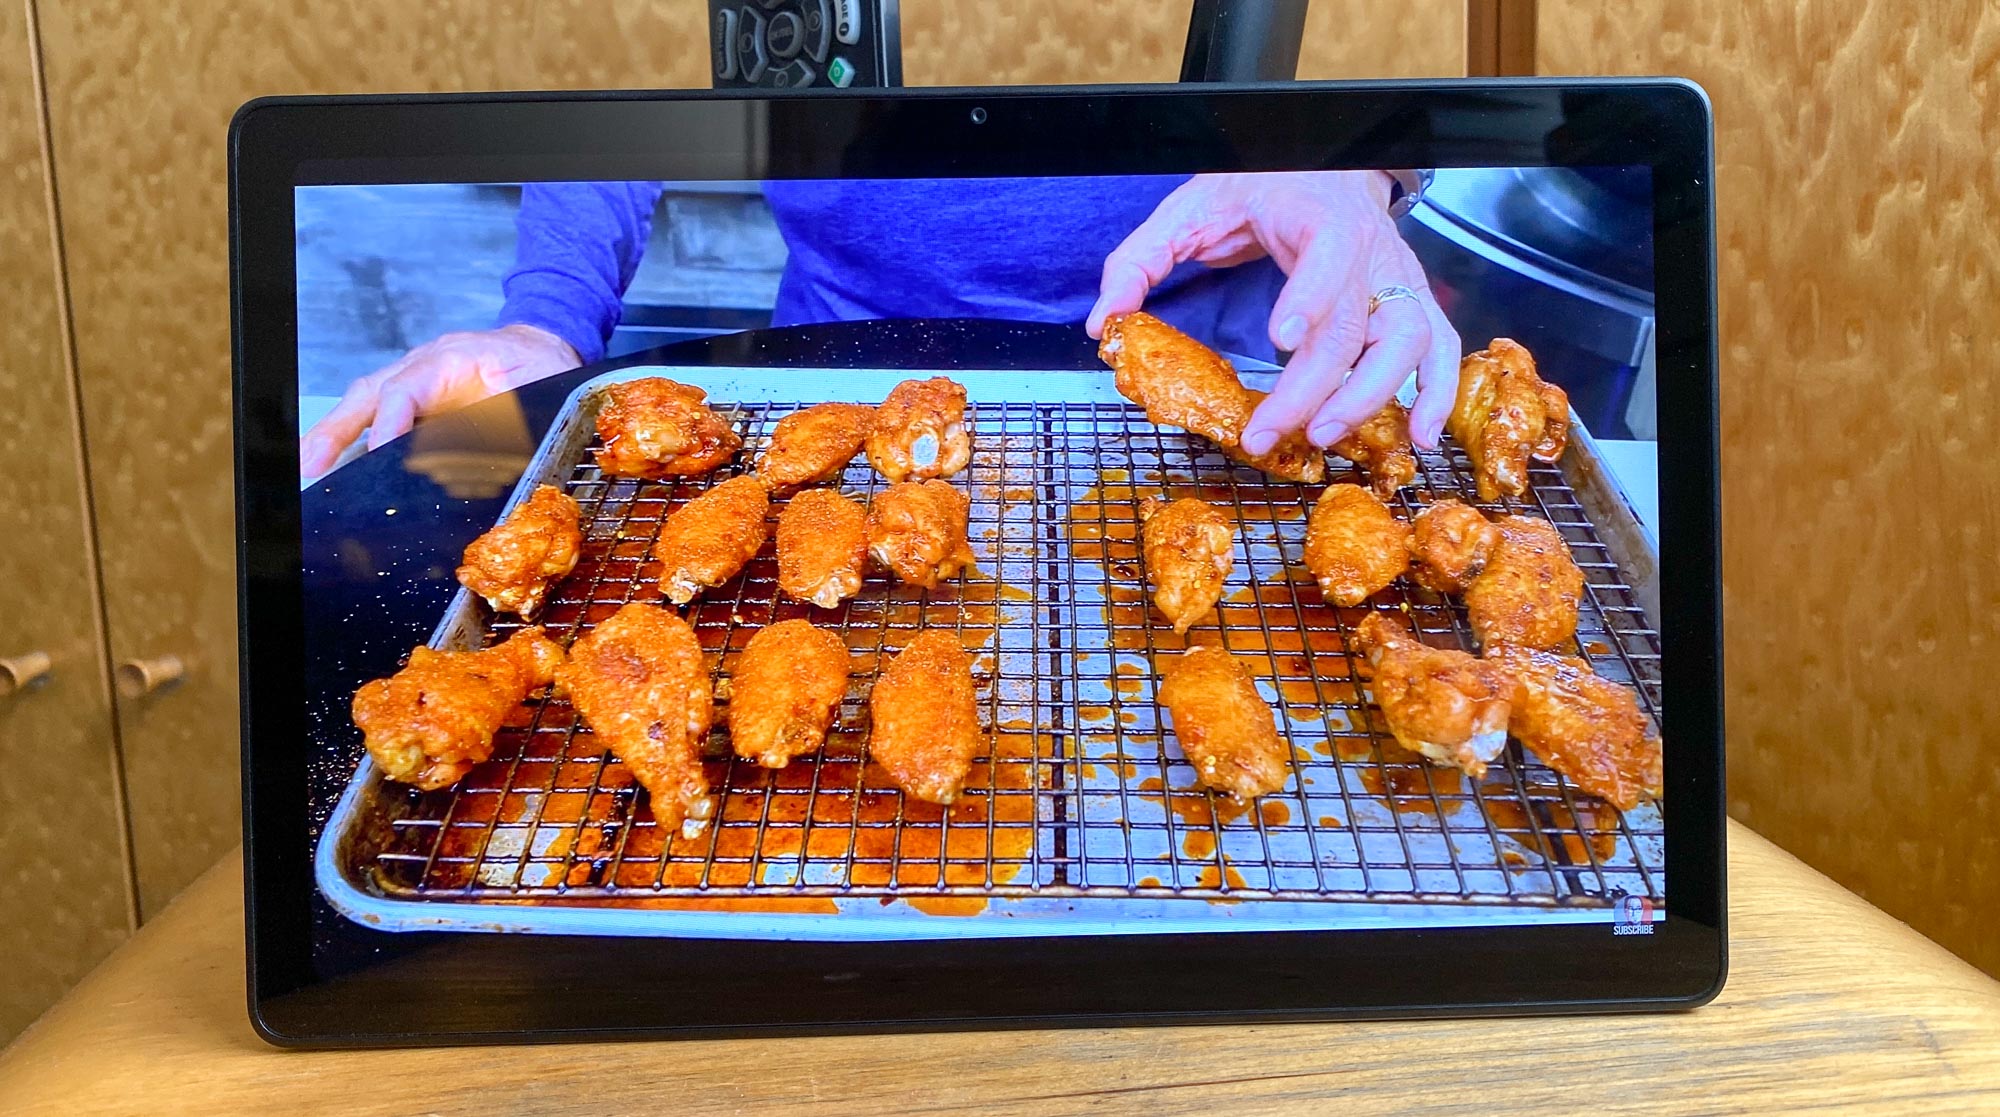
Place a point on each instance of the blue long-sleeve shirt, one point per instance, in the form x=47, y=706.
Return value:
x=1027, y=248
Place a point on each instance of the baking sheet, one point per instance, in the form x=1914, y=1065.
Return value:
x=1090, y=845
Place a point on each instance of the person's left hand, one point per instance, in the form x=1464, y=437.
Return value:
x=1330, y=232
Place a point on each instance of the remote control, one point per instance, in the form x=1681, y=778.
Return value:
x=793, y=44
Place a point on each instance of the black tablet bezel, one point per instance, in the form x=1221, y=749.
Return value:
x=469, y=988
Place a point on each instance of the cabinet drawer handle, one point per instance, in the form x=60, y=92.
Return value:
x=137, y=678
x=19, y=672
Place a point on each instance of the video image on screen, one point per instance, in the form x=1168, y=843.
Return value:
x=874, y=559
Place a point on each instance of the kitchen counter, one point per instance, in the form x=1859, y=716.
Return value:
x=1829, y=1002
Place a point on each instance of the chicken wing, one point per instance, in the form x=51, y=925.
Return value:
x=785, y=691
x=1450, y=543
x=514, y=565
x=1505, y=414
x=814, y=444
x=1382, y=447
x=822, y=547
x=917, y=529
x=1442, y=703
x=919, y=431
x=926, y=718
x=1529, y=591
x=1183, y=383
x=707, y=540
x=1226, y=730
x=1178, y=380
x=1187, y=549
x=639, y=682
x=429, y=723
x=1584, y=726
x=656, y=428
x=1354, y=545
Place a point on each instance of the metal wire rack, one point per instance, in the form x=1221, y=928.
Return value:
x=1082, y=795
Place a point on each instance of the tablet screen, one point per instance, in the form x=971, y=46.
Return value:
x=931, y=558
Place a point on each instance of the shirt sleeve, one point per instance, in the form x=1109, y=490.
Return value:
x=578, y=245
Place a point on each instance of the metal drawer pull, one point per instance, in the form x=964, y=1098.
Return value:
x=137, y=678
x=19, y=672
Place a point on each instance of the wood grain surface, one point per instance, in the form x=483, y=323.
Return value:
x=62, y=857
x=1857, y=182
x=1830, y=1002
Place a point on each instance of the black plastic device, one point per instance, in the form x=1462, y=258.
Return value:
x=316, y=622
x=796, y=44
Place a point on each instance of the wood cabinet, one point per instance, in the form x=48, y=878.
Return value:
x=1860, y=266
x=63, y=869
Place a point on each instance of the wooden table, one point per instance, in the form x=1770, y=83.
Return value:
x=1829, y=1002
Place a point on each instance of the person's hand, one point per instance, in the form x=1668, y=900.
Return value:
x=452, y=371
x=1330, y=232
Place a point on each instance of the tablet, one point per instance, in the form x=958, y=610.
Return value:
x=812, y=563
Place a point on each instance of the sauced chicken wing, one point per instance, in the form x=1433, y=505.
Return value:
x=639, y=682
x=708, y=539
x=1225, y=728
x=1183, y=383
x=822, y=547
x=1450, y=543
x=657, y=428
x=1505, y=414
x=1178, y=380
x=429, y=723
x=1442, y=703
x=1584, y=726
x=1382, y=447
x=785, y=691
x=917, y=529
x=814, y=444
x=1187, y=550
x=919, y=431
x=1354, y=545
x=514, y=565
x=926, y=718
x=1529, y=591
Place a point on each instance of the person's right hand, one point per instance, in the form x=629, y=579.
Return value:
x=452, y=371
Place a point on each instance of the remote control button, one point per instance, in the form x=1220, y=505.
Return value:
x=785, y=35
x=750, y=58
x=840, y=73
x=722, y=45
x=819, y=28
x=798, y=75
x=847, y=21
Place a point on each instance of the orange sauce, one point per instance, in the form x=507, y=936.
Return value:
x=1129, y=680
x=1409, y=789
x=1586, y=833
x=1213, y=876
x=1354, y=749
